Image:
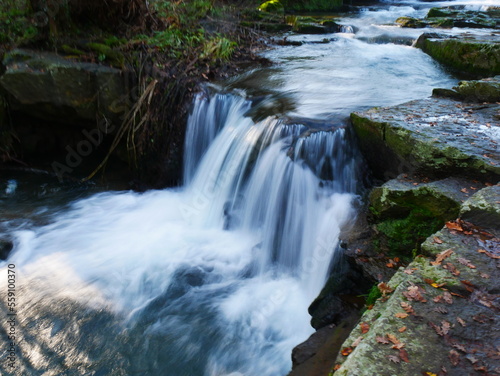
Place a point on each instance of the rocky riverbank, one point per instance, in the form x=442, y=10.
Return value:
x=429, y=239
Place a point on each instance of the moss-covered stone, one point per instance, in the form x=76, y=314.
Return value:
x=483, y=209
x=473, y=56
x=272, y=6
x=410, y=22
x=47, y=86
x=310, y=28
x=422, y=136
x=312, y=5
x=486, y=90
x=113, y=57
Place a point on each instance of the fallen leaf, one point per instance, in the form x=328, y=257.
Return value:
x=445, y=327
x=337, y=367
x=402, y=329
x=458, y=295
x=414, y=294
x=401, y=315
x=452, y=269
x=393, y=358
x=437, y=240
x=383, y=340
x=454, y=357
x=393, y=339
x=407, y=307
x=442, y=310
x=471, y=359
x=447, y=297
x=384, y=288
x=430, y=374
x=357, y=342
x=441, y=256
x=403, y=354
x=459, y=347
x=484, y=275
x=408, y=271
x=364, y=327
x=465, y=262
x=461, y=321
x=464, y=190
x=468, y=285
x=346, y=351
x=489, y=254
x=454, y=226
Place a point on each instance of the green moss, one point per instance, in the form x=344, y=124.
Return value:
x=401, y=236
x=104, y=52
x=272, y=6
x=312, y=5
x=373, y=295
x=410, y=22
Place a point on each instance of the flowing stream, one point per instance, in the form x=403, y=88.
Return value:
x=212, y=278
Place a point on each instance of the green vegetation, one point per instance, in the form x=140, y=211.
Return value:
x=16, y=25
x=373, y=295
x=403, y=236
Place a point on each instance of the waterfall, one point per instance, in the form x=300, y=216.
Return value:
x=213, y=278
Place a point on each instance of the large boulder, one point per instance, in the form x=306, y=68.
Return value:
x=438, y=137
x=49, y=86
x=467, y=55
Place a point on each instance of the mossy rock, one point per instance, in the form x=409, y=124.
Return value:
x=51, y=87
x=113, y=57
x=410, y=22
x=404, y=138
x=312, y=5
x=483, y=209
x=477, y=57
x=272, y=6
x=310, y=28
x=486, y=90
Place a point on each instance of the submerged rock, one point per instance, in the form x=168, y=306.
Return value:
x=6, y=247
x=469, y=55
x=437, y=137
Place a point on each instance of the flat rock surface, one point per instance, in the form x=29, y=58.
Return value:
x=440, y=314
x=438, y=136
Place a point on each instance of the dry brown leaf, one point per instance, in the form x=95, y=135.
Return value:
x=437, y=298
x=461, y=321
x=401, y=315
x=393, y=339
x=454, y=357
x=414, y=294
x=442, y=310
x=445, y=327
x=346, y=351
x=402, y=329
x=489, y=254
x=383, y=340
x=464, y=190
x=365, y=327
x=465, y=262
x=408, y=271
x=385, y=288
x=403, y=354
x=459, y=347
x=441, y=256
x=337, y=367
x=452, y=269
x=407, y=307
x=447, y=297
x=454, y=226
x=468, y=285
x=484, y=275
x=357, y=342
x=437, y=240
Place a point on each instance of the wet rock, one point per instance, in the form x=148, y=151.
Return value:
x=410, y=22
x=339, y=299
x=441, y=198
x=310, y=28
x=310, y=347
x=483, y=209
x=440, y=315
x=311, y=5
x=468, y=55
x=50, y=87
x=436, y=137
x=6, y=247
x=486, y=90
